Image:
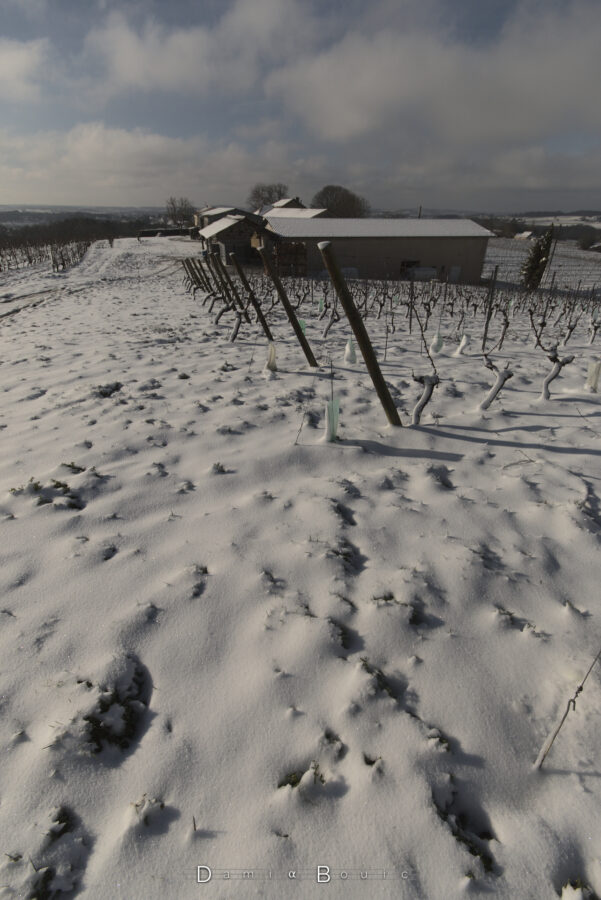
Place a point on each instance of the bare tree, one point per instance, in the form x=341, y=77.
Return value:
x=171, y=209
x=181, y=212
x=264, y=194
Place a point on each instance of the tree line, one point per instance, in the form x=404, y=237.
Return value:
x=339, y=202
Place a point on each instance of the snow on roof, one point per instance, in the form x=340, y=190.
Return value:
x=216, y=210
x=313, y=229
x=280, y=204
x=220, y=225
x=292, y=212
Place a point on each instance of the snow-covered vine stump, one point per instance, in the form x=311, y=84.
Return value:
x=465, y=340
x=502, y=377
x=350, y=355
x=592, y=380
x=429, y=382
x=437, y=343
x=558, y=365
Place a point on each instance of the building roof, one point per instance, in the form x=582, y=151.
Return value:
x=292, y=212
x=216, y=210
x=322, y=229
x=286, y=201
x=220, y=225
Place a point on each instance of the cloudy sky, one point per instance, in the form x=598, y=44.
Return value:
x=458, y=104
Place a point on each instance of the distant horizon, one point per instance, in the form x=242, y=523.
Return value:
x=83, y=207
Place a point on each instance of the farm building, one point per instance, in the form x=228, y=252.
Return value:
x=381, y=248
x=233, y=233
x=210, y=214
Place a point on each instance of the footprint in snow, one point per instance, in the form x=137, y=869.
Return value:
x=50, y=861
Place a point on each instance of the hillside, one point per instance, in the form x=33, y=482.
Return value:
x=225, y=642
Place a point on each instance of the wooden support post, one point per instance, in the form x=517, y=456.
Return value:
x=489, y=307
x=190, y=274
x=213, y=258
x=202, y=277
x=193, y=275
x=218, y=289
x=231, y=286
x=251, y=297
x=360, y=332
x=288, y=307
x=230, y=303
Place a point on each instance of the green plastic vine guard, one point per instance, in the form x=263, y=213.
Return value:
x=332, y=414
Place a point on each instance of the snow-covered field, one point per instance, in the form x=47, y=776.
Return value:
x=592, y=220
x=227, y=643
x=571, y=268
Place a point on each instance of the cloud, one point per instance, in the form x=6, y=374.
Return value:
x=227, y=56
x=21, y=69
x=93, y=161
x=401, y=99
x=152, y=58
x=99, y=165
x=31, y=9
x=95, y=164
x=522, y=85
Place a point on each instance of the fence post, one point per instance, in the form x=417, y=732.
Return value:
x=360, y=332
x=251, y=297
x=288, y=307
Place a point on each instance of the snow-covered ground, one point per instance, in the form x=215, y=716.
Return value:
x=591, y=220
x=571, y=268
x=227, y=643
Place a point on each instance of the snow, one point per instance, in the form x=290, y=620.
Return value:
x=570, y=267
x=317, y=228
x=228, y=642
x=288, y=212
x=220, y=225
x=216, y=210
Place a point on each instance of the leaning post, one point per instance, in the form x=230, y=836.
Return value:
x=232, y=287
x=251, y=296
x=209, y=259
x=288, y=307
x=360, y=332
x=198, y=267
x=213, y=275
